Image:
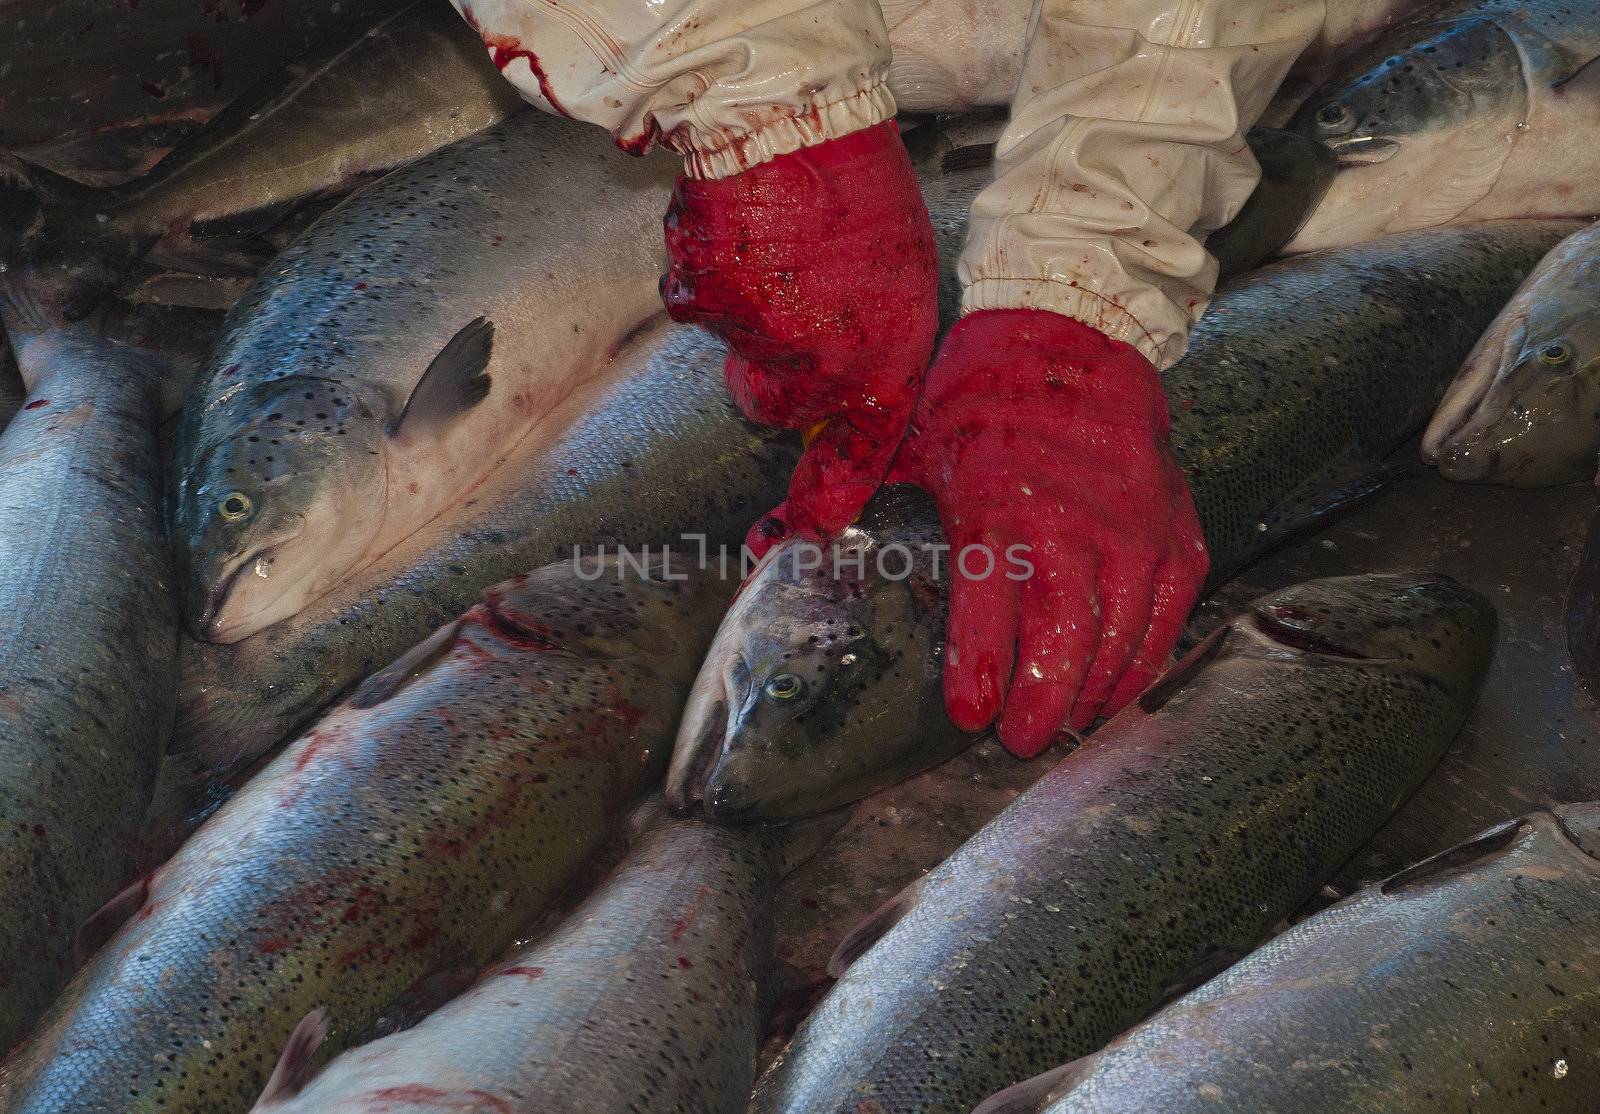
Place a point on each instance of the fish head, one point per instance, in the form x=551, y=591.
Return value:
x=279, y=508
x=822, y=684
x=1525, y=409
x=1420, y=135
x=1429, y=621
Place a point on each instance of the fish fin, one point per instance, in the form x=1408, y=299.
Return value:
x=1333, y=492
x=1480, y=847
x=293, y=1069
x=21, y=210
x=1177, y=678
x=388, y=682
x=182, y=289
x=212, y=255
x=1581, y=82
x=102, y=924
x=874, y=928
x=453, y=384
x=51, y=235
x=1032, y=1096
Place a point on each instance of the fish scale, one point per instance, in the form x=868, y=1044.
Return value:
x=1190, y=824
x=365, y=302
x=1485, y=999
x=1297, y=383
x=648, y=997
x=417, y=829
x=89, y=651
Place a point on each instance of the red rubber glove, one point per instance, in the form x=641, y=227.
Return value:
x=1036, y=430
x=819, y=270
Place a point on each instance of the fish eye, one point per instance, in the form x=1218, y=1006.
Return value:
x=1556, y=354
x=785, y=686
x=1335, y=116
x=235, y=506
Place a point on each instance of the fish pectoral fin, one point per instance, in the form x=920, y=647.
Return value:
x=874, y=928
x=1332, y=492
x=1182, y=671
x=293, y=1070
x=103, y=923
x=454, y=383
x=1463, y=856
x=1032, y=1096
x=1581, y=82
x=388, y=682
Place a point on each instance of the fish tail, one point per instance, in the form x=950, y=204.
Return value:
x=21, y=213
x=53, y=240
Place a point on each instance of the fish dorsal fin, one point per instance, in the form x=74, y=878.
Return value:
x=103, y=923
x=388, y=682
x=874, y=928
x=1033, y=1096
x=454, y=383
x=293, y=1070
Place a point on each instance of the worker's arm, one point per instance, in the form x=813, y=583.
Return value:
x=1043, y=425
x=796, y=230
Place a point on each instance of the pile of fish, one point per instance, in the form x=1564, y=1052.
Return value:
x=380, y=728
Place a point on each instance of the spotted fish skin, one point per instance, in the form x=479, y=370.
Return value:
x=1465, y=113
x=646, y=998
x=1191, y=823
x=1297, y=383
x=660, y=452
x=88, y=648
x=419, y=827
x=1501, y=927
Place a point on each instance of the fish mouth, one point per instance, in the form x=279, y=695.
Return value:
x=209, y=625
x=702, y=734
x=1366, y=150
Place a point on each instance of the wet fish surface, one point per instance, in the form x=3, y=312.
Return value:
x=648, y=997
x=413, y=82
x=1464, y=115
x=418, y=828
x=1525, y=409
x=1382, y=1002
x=88, y=656
x=1193, y=822
x=650, y=452
x=389, y=359
x=658, y=452
x=824, y=686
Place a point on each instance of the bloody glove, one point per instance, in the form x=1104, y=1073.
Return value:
x=1037, y=431
x=819, y=270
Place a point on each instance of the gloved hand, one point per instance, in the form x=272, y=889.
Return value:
x=819, y=269
x=1036, y=430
